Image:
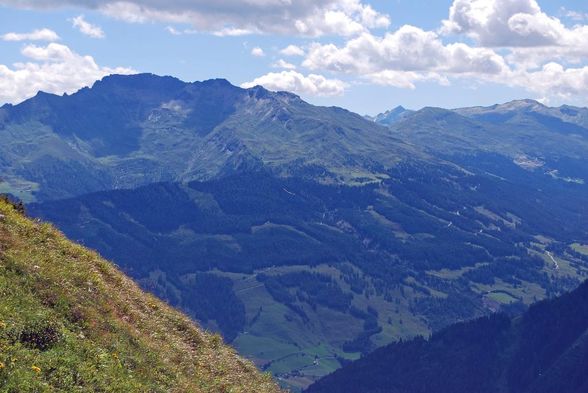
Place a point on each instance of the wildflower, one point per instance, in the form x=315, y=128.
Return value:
x=2, y=325
x=2, y=365
x=36, y=369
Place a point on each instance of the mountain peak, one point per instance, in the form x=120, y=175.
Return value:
x=392, y=115
x=217, y=82
x=510, y=106
x=145, y=81
x=520, y=104
x=260, y=92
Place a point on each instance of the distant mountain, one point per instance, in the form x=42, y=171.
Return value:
x=128, y=131
x=392, y=116
x=70, y=321
x=518, y=128
x=532, y=110
x=545, y=350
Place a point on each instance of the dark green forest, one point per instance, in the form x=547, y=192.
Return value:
x=544, y=350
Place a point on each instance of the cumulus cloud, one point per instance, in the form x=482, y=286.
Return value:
x=405, y=79
x=513, y=43
x=281, y=63
x=257, y=52
x=575, y=15
x=508, y=23
x=54, y=68
x=292, y=50
x=410, y=50
x=236, y=17
x=532, y=37
x=555, y=81
x=86, y=28
x=313, y=85
x=173, y=31
x=36, y=35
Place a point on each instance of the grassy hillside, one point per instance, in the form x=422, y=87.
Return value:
x=71, y=322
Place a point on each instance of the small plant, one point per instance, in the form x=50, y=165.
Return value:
x=41, y=335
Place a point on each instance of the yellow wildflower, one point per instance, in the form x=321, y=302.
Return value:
x=36, y=369
x=2, y=325
x=1, y=365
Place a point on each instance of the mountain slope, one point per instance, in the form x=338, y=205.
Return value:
x=302, y=276
x=128, y=131
x=70, y=321
x=544, y=350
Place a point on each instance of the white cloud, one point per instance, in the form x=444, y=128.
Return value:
x=292, y=50
x=508, y=23
x=85, y=27
x=54, y=68
x=410, y=55
x=532, y=37
x=407, y=49
x=49, y=53
x=575, y=15
x=236, y=17
x=555, y=81
x=257, y=52
x=284, y=64
x=231, y=32
x=315, y=85
x=173, y=31
x=405, y=79
x=533, y=51
x=36, y=35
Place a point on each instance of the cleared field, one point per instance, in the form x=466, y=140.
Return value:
x=581, y=248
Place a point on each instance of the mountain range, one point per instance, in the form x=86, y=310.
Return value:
x=308, y=236
x=128, y=131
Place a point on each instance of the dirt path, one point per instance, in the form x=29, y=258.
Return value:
x=553, y=259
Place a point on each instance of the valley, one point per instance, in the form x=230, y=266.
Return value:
x=543, y=350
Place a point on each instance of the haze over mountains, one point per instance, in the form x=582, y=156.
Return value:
x=308, y=235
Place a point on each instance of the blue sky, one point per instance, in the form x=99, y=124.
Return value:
x=364, y=55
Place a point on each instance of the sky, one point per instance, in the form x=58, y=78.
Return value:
x=364, y=55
